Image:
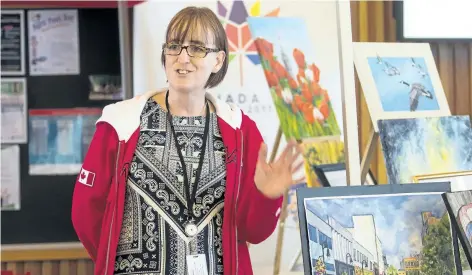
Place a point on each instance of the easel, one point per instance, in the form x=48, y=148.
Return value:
x=368, y=154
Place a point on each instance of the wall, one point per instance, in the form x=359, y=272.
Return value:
x=372, y=21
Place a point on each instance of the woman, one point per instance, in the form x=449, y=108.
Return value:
x=154, y=157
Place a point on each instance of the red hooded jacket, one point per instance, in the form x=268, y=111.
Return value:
x=99, y=194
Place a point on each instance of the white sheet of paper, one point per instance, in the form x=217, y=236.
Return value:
x=53, y=42
x=196, y=265
x=10, y=173
x=14, y=110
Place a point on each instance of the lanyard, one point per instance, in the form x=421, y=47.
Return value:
x=190, y=197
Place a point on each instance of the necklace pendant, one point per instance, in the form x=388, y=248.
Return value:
x=191, y=229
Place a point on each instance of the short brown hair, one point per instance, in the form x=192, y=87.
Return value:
x=189, y=22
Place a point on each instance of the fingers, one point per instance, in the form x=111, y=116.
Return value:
x=296, y=155
x=287, y=153
x=299, y=180
x=298, y=166
x=263, y=152
x=262, y=159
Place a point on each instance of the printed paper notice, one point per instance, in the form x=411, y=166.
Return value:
x=14, y=108
x=13, y=42
x=10, y=191
x=53, y=42
x=59, y=139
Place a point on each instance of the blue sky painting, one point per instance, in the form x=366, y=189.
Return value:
x=394, y=78
x=397, y=218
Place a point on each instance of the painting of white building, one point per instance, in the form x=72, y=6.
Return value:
x=382, y=235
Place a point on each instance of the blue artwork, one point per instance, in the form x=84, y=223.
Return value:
x=59, y=139
x=423, y=146
x=403, y=84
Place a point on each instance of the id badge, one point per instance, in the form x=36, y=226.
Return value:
x=197, y=265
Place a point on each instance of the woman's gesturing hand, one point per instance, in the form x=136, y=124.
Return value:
x=273, y=179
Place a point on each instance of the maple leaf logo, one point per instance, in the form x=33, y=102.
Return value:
x=241, y=45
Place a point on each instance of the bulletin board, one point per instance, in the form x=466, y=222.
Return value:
x=46, y=200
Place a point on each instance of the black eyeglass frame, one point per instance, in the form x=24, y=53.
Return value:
x=207, y=50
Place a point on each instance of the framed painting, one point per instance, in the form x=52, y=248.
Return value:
x=421, y=146
x=331, y=175
x=460, y=181
x=399, y=80
x=377, y=229
x=459, y=206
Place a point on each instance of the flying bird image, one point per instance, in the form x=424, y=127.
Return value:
x=389, y=69
x=420, y=69
x=379, y=59
x=417, y=90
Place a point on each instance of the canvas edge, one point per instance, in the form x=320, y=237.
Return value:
x=353, y=191
x=457, y=228
x=364, y=49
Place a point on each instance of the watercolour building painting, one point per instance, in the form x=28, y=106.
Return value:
x=380, y=234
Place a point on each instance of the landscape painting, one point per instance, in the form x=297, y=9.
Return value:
x=403, y=84
x=295, y=81
x=422, y=146
x=459, y=205
x=399, y=80
x=378, y=233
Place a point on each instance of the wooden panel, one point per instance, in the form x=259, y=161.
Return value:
x=372, y=21
x=68, y=267
x=461, y=83
x=39, y=254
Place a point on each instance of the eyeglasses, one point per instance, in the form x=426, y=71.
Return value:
x=192, y=50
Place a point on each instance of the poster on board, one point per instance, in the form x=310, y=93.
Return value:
x=10, y=174
x=13, y=42
x=53, y=37
x=14, y=110
x=59, y=139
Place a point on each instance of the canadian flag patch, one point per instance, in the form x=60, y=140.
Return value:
x=86, y=177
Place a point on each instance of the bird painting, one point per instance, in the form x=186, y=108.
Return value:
x=417, y=90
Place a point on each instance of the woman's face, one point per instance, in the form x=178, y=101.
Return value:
x=186, y=73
